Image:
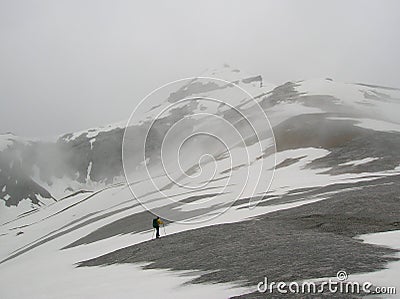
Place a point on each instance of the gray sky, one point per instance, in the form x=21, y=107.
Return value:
x=73, y=64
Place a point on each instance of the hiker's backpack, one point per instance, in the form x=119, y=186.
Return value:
x=155, y=223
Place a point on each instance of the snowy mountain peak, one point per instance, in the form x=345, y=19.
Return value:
x=319, y=113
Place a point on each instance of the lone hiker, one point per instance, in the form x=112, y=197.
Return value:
x=156, y=224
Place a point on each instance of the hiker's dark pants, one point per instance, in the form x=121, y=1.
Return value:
x=157, y=232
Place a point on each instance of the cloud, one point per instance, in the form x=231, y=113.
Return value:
x=69, y=65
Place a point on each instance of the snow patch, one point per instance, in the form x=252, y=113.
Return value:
x=353, y=95
x=388, y=277
x=93, y=132
x=284, y=111
x=346, y=93
x=89, y=169
x=91, y=142
x=372, y=124
x=359, y=162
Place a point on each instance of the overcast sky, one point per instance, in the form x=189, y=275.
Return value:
x=73, y=64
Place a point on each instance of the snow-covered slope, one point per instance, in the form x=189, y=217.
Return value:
x=196, y=152
x=317, y=113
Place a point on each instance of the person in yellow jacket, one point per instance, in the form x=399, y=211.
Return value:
x=156, y=224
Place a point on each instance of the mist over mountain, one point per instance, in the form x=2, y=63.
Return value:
x=223, y=158
x=318, y=113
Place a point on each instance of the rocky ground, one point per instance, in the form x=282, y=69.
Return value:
x=310, y=241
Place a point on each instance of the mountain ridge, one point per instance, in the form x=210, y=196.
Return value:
x=92, y=158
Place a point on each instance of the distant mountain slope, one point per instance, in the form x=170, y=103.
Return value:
x=350, y=121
